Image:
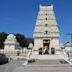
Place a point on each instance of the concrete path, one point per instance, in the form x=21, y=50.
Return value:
x=17, y=66
x=13, y=64
x=43, y=69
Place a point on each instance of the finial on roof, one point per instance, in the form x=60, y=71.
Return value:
x=48, y=6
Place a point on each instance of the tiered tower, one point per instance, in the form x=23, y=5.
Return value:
x=46, y=33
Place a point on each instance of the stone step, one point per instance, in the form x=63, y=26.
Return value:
x=49, y=57
x=48, y=62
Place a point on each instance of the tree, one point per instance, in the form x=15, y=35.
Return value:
x=3, y=36
x=30, y=40
x=24, y=42
x=21, y=39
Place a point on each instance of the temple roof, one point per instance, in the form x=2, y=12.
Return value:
x=46, y=24
x=11, y=36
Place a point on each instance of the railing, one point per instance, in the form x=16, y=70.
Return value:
x=15, y=53
x=67, y=57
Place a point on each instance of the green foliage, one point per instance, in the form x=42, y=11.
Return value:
x=3, y=36
x=29, y=40
x=24, y=42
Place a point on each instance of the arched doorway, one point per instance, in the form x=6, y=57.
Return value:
x=46, y=44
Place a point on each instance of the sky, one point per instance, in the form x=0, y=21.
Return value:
x=19, y=16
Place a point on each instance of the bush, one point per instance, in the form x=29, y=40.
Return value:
x=31, y=60
x=3, y=59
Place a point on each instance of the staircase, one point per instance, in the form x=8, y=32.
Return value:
x=48, y=57
x=48, y=62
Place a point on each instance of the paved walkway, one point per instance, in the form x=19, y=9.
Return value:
x=13, y=64
x=43, y=69
x=17, y=66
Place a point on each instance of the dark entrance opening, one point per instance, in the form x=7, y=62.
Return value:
x=46, y=44
x=52, y=50
x=40, y=51
x=46, y=52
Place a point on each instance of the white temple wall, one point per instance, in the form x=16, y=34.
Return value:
x=37, y=43
x=9, y=47
x=54, y=43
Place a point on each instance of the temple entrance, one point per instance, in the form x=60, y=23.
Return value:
x=46, y=44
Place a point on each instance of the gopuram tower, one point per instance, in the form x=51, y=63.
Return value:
x=46, y=33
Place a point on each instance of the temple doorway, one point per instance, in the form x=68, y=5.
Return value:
x=46, y=44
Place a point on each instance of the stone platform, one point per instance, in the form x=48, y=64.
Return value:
x=48, y=57
x=17, y=66
x=47, y=62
